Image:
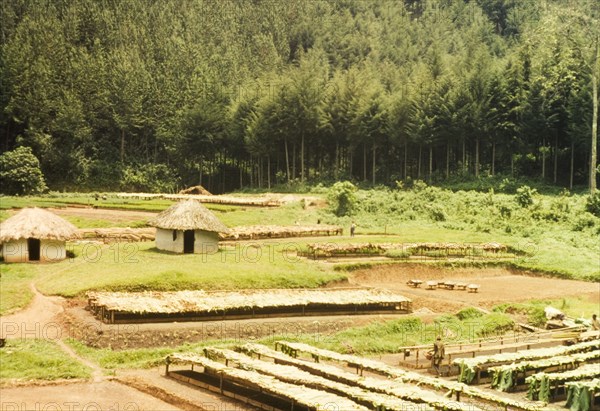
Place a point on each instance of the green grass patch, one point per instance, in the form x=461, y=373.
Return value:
x=140, y=266
x=38, y=360
x=389, y=336
x=66, y=199
x=15, y=292
x=139, y=358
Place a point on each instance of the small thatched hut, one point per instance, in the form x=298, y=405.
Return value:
x=35, y=234
x=188, y=227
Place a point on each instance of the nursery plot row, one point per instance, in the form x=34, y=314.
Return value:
x=289, y=387
x=211, y=199
x=334, y=378
x=476, y=370
x=554, y=386
x=327, y=250
x=198, y=305
x=512, y=377
x=253, y=388
x=258, y=232
x=547, y=375
x=460, y=390
x=294, y=375
x=118, y=234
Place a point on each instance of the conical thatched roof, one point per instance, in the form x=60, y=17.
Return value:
x=188, y=215
x=36, y=223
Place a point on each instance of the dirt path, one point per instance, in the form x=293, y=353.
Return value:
x=37, y=320
x=105, y=395
x=498, y=285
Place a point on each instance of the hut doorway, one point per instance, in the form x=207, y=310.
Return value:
x=188, y=241
x=33, y=247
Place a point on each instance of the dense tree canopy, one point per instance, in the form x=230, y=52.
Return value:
x=236, y=93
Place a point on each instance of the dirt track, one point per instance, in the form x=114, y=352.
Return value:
x=498, y=285
x=105, y=395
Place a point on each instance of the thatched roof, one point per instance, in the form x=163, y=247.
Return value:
x=36, y=223
x=188, y=215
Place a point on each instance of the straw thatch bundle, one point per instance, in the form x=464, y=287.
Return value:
x=188, y=215
x=36, y=223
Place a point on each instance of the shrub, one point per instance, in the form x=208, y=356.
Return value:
x=592, y=204
x=508, y=185
x=584, y=221
x=495, y=324
x=153, y=178
x=436, y=212
x=342, y=198
x=469, y=313
x=524, y=196
x=20, y=172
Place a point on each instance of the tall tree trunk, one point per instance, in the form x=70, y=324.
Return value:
x=269, y=172
x=593, y=154
x=241, y=174
x=493, y=157
x=364, y=161
x=336, y=170
x=512, y=166
x=351, y=163
x=122, y=151
x=544, y=158
x=223, y=162
x=419, y=163
x=259, y=170
x=251, y=172
x=572, y=165
x=477, y=157
x=555, y=176
x=374, y=150
x=302, y=158
x=464, y=155
x=405, y=159
x=287, y=160
x=200, y=169
x=430, y=163
x=447, y=161
x=294, y=161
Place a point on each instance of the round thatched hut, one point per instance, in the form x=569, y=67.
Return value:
x=188, y=227
x=35, y=234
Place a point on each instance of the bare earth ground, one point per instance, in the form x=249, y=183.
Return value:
x=498, y=285
x=105, y=395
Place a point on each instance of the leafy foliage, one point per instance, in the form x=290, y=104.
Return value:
x=525, y=195
x=342, y=198
x=151, y=178
x=249, y=94
x=592, y=203
x=20, y=172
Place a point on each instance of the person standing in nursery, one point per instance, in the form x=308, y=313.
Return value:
x=439, y=352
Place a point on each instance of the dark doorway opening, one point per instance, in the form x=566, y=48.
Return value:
x=188, y=241
x=33, y=247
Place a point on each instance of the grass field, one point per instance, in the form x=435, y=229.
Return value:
x=140, y=266
x=15, y=292
x=38, y=359
x=137, y=358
